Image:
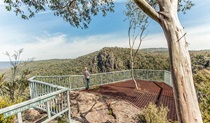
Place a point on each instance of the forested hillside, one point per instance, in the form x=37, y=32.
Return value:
x=113, y=59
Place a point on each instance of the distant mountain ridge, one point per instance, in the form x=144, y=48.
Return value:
x=154, y=49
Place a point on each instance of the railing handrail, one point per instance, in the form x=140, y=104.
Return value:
x=96, y=73
x=36, y=99
x=77, y=82
x=100, y=78
x=44, y=83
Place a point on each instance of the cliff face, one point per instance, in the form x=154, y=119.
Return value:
x=116, y=59
x=106, y=61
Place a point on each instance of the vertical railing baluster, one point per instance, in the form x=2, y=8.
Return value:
x=34, y=89
x=48, y=109
x=153, y=75
x=19, y=115
x=68, y=103
x=30, y=88
x=101, y=79
x=165, y=76
x=70, y=85
x=112, y=76
x=33, y=95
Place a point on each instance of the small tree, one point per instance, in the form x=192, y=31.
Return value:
x=17, y=81
x=135, y=29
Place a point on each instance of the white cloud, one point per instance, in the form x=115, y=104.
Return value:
x=60, y=46
x=2, y=3
x=45, y=12
x=49, y=46
x=119, y=1
x=198, y=37
x=154, y=41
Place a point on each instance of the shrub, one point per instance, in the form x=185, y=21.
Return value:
x=202, y=84
x=5, y=103
x=153, y=114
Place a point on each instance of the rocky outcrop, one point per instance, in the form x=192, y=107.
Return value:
x=92, y=108
x=106, y=61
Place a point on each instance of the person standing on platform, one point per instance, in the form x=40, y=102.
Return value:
x=87, y=77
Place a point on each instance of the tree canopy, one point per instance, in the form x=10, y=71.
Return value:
x=76, y=12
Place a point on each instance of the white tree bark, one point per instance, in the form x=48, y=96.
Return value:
x=184, y=91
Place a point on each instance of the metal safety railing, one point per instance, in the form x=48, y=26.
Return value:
x=76, y=82
x=53, y=99
x=51, y=93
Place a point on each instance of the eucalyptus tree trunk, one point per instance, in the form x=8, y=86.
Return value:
x=184, y=91
x=132, y=66
x=132, y=40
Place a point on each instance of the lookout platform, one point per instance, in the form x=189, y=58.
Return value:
x=51, y=93
x=155, y=92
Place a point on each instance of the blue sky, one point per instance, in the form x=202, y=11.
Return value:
x=47, y=36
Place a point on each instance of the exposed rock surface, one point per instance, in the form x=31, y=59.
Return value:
x=93, y=108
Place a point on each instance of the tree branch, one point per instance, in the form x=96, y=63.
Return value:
x=129, y=34
x=69, y=5
x=148, y=9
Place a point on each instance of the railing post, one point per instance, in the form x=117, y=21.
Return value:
x=19, y=117
x=101, y=78
x=165, y=77
x=48, y=109
x=33, y=90
x=69, y=83
x=30, y=88
x=113, y=76
x=124, y=75
x=171, y=83
x=68, y=103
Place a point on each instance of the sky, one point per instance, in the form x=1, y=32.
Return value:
x=49, y=37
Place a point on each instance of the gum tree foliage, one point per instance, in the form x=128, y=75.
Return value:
x=78, y=13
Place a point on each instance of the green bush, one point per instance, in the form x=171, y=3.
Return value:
x=202, y=85
x=153, y=114
x=5, y=103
